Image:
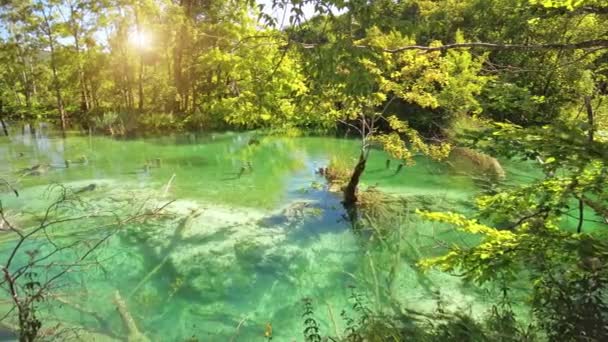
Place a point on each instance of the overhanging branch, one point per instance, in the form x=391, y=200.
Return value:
x=588, y=44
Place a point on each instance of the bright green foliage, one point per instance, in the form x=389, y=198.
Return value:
x=212, y=64
x=569, y=285
x=492, y=256
x=269, y=85
x=430, y=80
x=208, y=63
x=535, y=235
x=567, y=4
x=405, y=142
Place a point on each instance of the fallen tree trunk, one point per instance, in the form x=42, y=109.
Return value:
x=150, y=275
x=177, y=237
x=103, y=323
x=134, y=335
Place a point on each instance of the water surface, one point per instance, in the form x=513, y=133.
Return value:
x=251, y=232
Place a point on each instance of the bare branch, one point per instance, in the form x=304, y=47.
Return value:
x=350, y=125
x=26, y=293
x=9, y=186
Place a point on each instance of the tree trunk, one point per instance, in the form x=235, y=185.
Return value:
x=141, y=84
x=590, y=137
x=27, y=93
x=84, y=98
x=58, y=95
x=2, y=119
x=25, y=80
x=181, y=79
x=60, y=107
x=3, y=125
x=590, y=118
x=350, y=192
x=140, y=77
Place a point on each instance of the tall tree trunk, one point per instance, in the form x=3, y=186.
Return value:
x=167, y=50
x=33, y=88
x=590, y=118
x=590, y=138
x=32, y=125
x=180, y=78
x=60, y=107
x=141, y=84
x=27, y=92
x=25, y=80
x=126, y=82
x=84, y=98
x=194, y=92
x=140, y=77
x=177, y=74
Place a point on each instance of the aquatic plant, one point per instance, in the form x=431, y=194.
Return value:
x=337, y=173
x=350, y=331
x=359, y=306
x=440, y=325
x=147, y=298
x=268, y=331
x=175, y=286
x=311, y=327
x=474, y=163
x=353, y=329
x=379, y=209
x=248, y=253
x=314, y=186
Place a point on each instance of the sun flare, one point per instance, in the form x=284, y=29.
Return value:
x=140, y=39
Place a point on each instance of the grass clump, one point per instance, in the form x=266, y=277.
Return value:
x=337, y=174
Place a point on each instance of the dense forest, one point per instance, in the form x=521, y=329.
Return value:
x=476, y=82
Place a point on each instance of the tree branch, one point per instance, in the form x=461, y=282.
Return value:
x=587, y=44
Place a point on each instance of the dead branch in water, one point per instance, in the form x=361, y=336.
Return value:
x=134, y=335
x=38, y=274
x=177, y=237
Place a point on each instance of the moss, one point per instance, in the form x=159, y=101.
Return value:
x=248, y=253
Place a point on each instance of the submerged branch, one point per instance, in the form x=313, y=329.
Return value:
x=127, y=319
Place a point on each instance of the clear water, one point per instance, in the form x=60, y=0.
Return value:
x=258, y=244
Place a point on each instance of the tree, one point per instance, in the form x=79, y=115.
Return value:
x=547, y=230
x=47, y=28
x=358, y=86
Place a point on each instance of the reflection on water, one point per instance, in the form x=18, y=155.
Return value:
x=247, y=237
